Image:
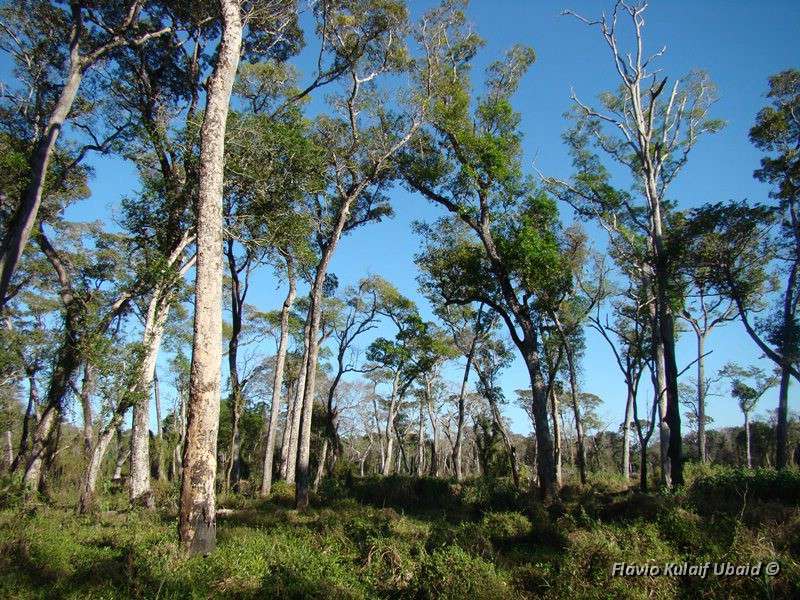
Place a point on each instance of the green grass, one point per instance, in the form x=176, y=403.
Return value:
x=373, y=541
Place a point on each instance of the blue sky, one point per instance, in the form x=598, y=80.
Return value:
x=738, y=42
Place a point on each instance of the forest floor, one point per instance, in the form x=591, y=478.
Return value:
x=400, y=537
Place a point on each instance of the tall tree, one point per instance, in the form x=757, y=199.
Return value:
x=748, y=385
x=777, y=133
x=499, y=247
x=649, y=129
x=197, y=516
x=53, y=47
x=359, y=144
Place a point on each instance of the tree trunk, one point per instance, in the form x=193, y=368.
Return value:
x=549, y=478
x=323, y=456
x=315, y=315
x=390, y=418
x=573, y=384
x=747, y=440
x=235, y=399
x=89, y=481
x=782, y=428
x=660, y=390
x=626, y=437
x=554, y=414
x=155, y=321
x=461, y=395
x=291, y=459
x=197, y=519
x=420, y=442
x=162, y=475
x=86, y=405
x=66, y=364
x=8, y=450
x=277, y=382
x=701, y=398
x=21, y=224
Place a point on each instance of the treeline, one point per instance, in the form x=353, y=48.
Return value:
x=238, y=177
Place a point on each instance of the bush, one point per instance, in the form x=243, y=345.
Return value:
x=485, y=493
x=506, y=526
x=452, y=573
x=728, y=490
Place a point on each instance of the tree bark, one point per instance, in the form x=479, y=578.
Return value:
x=420, y=442
x=312, y=355
x=291, y=458
x=461, y=395
x=390, y=418
x=626, y=437
x=781, y=433
x=197, y=516
x=21, y=224
x=554, y=415
x=277, y=382
x=86, y=405
x=162, y=476
x=701, y=398
x=155, y=322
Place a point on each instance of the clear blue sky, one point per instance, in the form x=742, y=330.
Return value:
x=738, y=42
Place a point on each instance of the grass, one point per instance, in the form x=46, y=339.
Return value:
x=411, y=539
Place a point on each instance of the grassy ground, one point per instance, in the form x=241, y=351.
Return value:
x=405, y=538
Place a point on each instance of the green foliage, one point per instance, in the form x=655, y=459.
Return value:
x=728, y=488
x=454, y=574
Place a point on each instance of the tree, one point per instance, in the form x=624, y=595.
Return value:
x=499, y=246
x=747, y=387
x=648, y=129
x=197, y=516
x=359, y=144
x=53, y=48
x=777, y=132
x=467, y=327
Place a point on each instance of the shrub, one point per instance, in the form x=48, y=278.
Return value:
x=485, y=493
x=506, y=526
x=452, y=573
x=728, y=490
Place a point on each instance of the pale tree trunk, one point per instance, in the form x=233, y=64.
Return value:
x=122, y=457
x=297, y=409
x=554, y=414
x=277, y=382
x=626, y=438
x=390, y=417
x=86, y=404
x=155, y=321
x=21, y=224
x=420, y=442
x=89, y=481
x=323, y=456
x=663, y=426
x=314, y=317
x=701, y=398
x=197, y=516
x=461, y=395
x=162, y=475
x=286, y=435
